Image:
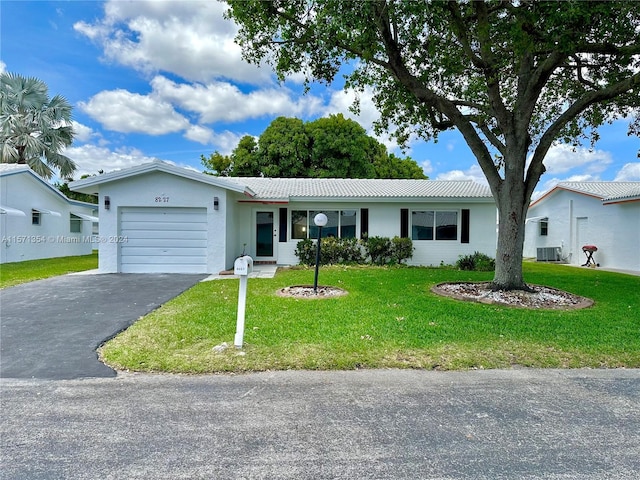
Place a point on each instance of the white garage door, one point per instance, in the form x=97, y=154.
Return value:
x=163, y=240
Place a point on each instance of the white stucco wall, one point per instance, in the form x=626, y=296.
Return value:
x=158, y=189
x=384, y=221
x=576, y=220
x=21, y=240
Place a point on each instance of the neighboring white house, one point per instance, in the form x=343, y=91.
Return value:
x=162, y=218
x=38, y=221
x=575, y=214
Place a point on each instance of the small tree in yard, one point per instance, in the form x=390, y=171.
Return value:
x=512, y=76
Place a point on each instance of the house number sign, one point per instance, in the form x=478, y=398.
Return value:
x=162, y=199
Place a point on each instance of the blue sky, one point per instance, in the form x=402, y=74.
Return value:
x=163, y=79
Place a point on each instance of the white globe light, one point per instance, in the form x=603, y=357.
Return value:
x=320, y=220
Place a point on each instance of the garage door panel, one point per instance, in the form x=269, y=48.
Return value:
x=175, y=214
x=166, y=242
x=167, y=260
x=163, y=268
x=163, y=240
x=162, y=226
x=164, y=252
x=176, y=235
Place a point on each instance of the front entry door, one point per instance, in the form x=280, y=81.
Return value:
x=265, y=235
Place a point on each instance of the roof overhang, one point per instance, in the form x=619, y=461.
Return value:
x=89, y=218
x=48, y=212
x=12, y=212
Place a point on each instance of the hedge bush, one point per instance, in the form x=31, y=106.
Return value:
x=375, y=250
x=477, y=261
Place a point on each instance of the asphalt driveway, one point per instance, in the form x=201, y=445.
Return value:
x=50, y=329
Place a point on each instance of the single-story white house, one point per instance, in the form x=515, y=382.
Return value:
x=38, y=221
x=163, y=218
x=575, y=214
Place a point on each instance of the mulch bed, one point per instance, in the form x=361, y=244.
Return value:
x=541, y=298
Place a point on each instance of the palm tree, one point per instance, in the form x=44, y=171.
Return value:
x=33, y=128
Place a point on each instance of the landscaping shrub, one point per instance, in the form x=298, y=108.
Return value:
x=378, y=249
x=477, y=261
x=306, y=252
x=401, y=249
x=333, y=251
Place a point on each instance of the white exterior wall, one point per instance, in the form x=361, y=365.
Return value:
x=576, y=220
x=158, y=189
x=52, y=238
x=384, y=221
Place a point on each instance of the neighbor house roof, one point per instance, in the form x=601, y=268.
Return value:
x=607, y=192
x=316, y=189
x=9, y=169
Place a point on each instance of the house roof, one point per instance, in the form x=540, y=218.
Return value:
x=90, y=184
x=607, y=192
x=8, y=169
x=355, y=188
x=318, y=189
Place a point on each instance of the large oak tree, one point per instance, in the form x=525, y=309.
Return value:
x=512, y=76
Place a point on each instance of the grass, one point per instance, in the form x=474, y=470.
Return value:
x=21, y=272
x=389, y=319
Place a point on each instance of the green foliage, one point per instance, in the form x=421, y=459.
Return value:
x=378, y=249
x=332, y=147
x=306, y=252
x=401, y=249
x=478, y=262
x=350, y=251
x=34, y=128
x=391, y=166
x=217, y=164
x=284, y=149
x=341, y=148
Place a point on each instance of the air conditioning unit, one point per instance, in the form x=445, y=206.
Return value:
x=548, y=254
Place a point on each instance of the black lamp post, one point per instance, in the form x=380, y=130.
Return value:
x=320, y=220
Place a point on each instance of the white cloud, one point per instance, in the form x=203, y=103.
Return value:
x=123, y=111
x=221, y=101
x=189, y=39
x=472, y=173
x=426, y=166
x=562, y=158
x=82, y=133
x=91, y=158
x=630, y=172
x=3, y=67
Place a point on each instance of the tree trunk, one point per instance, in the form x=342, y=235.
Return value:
x=512, y=211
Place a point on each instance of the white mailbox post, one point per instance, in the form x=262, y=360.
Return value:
x=243, y=266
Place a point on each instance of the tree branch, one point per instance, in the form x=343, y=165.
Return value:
x=536, y=167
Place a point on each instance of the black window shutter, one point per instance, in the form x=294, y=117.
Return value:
x=464, y=231
x=364, y=222
x=404, y=222
x=283, y=225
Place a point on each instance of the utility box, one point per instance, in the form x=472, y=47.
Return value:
x=243, y=265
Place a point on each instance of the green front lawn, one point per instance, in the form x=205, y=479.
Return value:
x=21, y=272
x=389, y=319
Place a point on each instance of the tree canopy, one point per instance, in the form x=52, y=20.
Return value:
x=332, y=147
x=513, y=77
x=34, y=128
